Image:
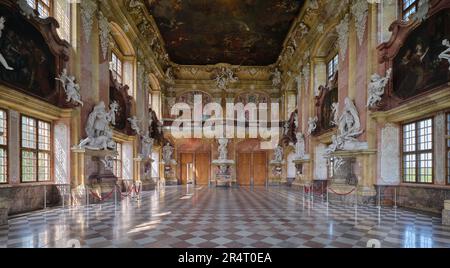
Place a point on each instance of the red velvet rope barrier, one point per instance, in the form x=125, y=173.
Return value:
x=108, y=196
x=311, y=188
x=340, y=193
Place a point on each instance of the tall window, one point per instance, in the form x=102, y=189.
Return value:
x=3, y=146
x=117, y=167
x=448, y=148
x=332, y=66
x=35, y=150
x=418, y=152
x=409, y=7
x=44, y=7
x=116, y=67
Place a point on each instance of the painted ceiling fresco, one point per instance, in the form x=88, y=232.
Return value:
x=239, y=32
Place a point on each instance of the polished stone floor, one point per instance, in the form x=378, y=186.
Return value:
x=205, y=217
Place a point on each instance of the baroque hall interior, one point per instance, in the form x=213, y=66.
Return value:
x=214, y=113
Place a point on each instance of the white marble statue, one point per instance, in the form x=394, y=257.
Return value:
x=279, y=152
x=445, y=55
x=349, y=128
x=167, y=154
x=335, y=113
x=25, y=9
x=296, y=121
x=276, y=77
x=2, y=59
x=170, y=78
x=349, y=123
x=376, y=88
x=71, y=88
x=300, y=146
x=225, y=77
x=98, y=130
x=223, y=151
x=147, y=146
x=135, y=125
x=286, y=128
x=312, y=124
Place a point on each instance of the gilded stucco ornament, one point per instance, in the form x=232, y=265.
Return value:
x=342, y=30
x=360, y=11
x=88, y=11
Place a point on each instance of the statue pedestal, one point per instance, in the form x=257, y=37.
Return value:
x=300, y=178
x=144, y=167
x=223, y=174
x=100, y=180
x=446, y=213
x=276, y=178
x=170, y=177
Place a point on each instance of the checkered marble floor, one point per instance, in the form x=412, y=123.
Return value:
x=202, y=217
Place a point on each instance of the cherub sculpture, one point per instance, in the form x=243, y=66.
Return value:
x=71, y=88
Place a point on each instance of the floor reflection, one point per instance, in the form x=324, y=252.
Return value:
x=189, y=217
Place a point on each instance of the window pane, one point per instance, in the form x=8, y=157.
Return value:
x=44, y=167
x=409, y=138
x=426, y=168
x=28, y=166
x=3, y=166
x=409, y=168
x=28, y=133
x=425, y=135
x=3, y=128
x=44, y=136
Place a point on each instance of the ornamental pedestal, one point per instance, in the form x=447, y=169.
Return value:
x=98, y=171
x=300, y=178
x=170, y=176
x=347, y=184
x=446, y=213
x=276, y=177
x=224, y=178
x=145, y=167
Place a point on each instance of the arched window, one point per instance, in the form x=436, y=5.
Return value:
x=332, y=66
x=123, y=59
x=59, y=9
x=44, y=7
x=408, y=8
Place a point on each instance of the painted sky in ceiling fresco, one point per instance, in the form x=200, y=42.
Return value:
x=240, y=32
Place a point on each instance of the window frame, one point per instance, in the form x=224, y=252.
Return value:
x=120, y=58
x=447, y=142
x=5, y=147
x=417, y=152
x=334, y=62
x=403, y=11
x=36, y=150
x=49, y=7
x=118, y=161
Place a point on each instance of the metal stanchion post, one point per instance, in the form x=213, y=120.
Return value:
x=45, y=197
x=379, y=197
x=63, y=196
x=87, y=196
x=115, y=195
x=327, y=195
x=395, y=197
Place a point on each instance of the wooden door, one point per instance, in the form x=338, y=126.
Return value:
x=186, y=159
x=259, y=169
x=202, y=168
x=244, y=169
